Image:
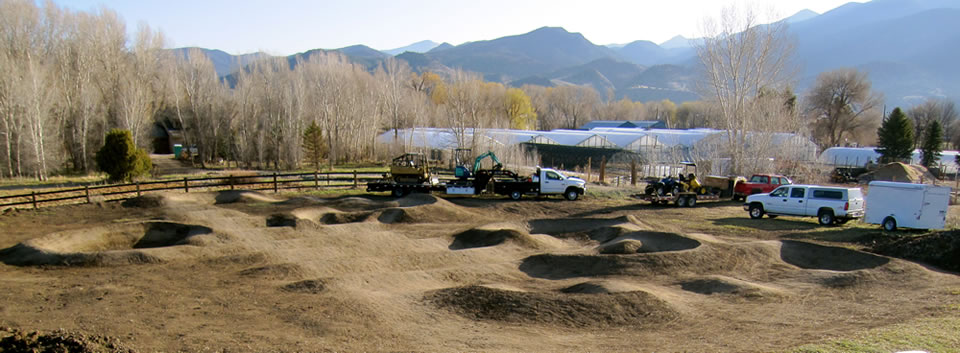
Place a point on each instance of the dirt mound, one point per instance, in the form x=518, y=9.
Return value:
x=355, y=203
x=275, y=271
x=602, y=287
x=574, y=310
x=102, y=245
x=233, y=196
x=622, y=247
x=941, y=249
x=656, y=241
x=14, y=340
x=849, y=279
x=146, y=201
x=908, y=173
x=394, y=215
x=819, y=257
x=605, y=234
x=310, y=286
x=417, y=199
x=496, y=234
x=727, y=285
x=566, y=227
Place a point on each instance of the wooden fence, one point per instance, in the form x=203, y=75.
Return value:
x=265, y=182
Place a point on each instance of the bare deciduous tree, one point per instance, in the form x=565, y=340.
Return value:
x=842, y=106
x=739, y=58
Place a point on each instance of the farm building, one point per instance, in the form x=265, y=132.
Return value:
x=632, y=124
x=860, y=156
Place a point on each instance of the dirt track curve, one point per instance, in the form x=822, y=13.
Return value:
x=254, y=272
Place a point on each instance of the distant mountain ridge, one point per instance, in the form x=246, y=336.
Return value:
x=908, y=47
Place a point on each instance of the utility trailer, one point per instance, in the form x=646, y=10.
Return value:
x=895, y=205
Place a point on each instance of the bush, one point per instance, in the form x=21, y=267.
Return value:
x=120, y=158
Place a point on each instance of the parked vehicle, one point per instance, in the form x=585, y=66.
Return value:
x=758, y=184
x=831, y=205
x=687, y=191
x=895, y=205
x=495, y=180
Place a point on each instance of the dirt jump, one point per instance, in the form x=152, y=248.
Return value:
x=246, y=271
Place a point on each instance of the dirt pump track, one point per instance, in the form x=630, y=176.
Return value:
x=245, y=271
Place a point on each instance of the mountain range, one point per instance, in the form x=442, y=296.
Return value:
x=909, y=48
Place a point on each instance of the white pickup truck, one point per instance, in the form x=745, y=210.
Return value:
x=831, y=205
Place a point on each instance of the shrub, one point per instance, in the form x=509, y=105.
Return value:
x=120, y=158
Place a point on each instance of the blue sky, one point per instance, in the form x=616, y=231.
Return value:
x=283, y=27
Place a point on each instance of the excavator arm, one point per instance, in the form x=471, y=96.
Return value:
x=480, y=158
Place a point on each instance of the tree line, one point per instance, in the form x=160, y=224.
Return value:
x=68, y=77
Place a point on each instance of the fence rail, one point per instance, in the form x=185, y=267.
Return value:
x=260, y=182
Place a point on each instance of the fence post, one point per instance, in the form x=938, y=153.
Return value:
x=274, y=182
x=316, y=180
x=138, y=188
x=633, y=173
x=231, y=181
x=186, y=185
x=354, y=178
x=33, y=195
x=86, y=190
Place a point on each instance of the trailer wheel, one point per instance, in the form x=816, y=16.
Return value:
x=681, y=201
x=572, y=194
x=756, y=211
x=889, y=224
x=691, y=201
x=398, y=192
x=516, y=195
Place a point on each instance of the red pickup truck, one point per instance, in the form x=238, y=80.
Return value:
x=759, y=184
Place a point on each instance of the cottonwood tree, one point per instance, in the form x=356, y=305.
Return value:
x=940, y=110
x=574, y=105
x=895, y=138
x=623, y=109
x=842, y=106
x=739, y=57
x=519, y=110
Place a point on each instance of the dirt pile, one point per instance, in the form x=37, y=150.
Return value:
x=941, y=249
x=497, y=234
x=908, y=173
x=14, y=340
x=718, y=284
x=636, y=308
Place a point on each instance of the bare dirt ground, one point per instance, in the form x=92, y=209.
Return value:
x=243, y=271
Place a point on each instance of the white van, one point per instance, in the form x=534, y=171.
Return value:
x=921, y=206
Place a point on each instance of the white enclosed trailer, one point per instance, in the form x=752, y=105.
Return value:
x=920, y=206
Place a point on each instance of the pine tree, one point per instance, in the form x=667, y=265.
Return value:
x=313, y=144
x=895, y=138
x=932, y=144
x=120, y=158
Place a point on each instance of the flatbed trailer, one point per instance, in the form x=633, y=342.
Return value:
x=682, y=199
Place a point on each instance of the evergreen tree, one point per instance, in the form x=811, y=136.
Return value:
x=120, y=158
x=932, y=144
x=895, y=138
x=313, y=144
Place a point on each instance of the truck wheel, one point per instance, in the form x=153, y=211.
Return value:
x=756, y=211
x=889, y=224
x=572, y=195
x=681, y=201
x=825, y=217
x=515, y=195
x=691, y=201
